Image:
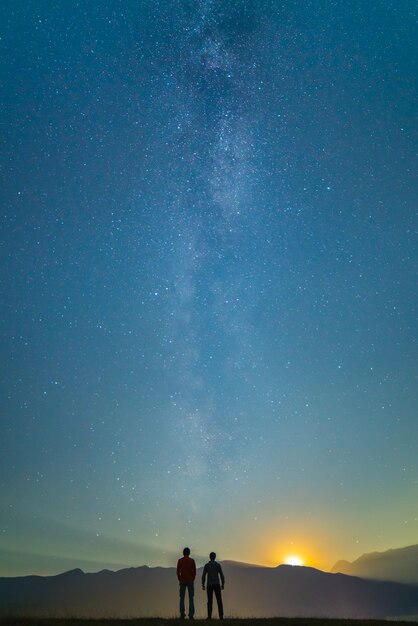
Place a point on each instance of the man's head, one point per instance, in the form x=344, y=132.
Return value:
x=186, y=551
x=212, y=556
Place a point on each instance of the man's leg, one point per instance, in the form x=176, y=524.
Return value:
x=209, y=591
x=218, y=594
x=182, y=591
x=190, y=587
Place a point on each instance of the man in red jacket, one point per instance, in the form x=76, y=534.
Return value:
x=186, y=573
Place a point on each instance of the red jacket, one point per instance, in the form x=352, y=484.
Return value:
x=186, y=570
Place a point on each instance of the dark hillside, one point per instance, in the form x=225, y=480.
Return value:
x=249, y=592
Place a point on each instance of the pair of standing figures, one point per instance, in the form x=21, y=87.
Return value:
x=186, y=573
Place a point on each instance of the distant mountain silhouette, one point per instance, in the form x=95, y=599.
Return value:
x=250, y=591
x=400, y=565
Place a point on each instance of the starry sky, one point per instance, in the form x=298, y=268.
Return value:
x=208, y=284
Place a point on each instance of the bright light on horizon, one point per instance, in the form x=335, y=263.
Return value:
x=294, y=560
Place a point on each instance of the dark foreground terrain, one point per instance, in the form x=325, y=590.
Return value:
x=250, y=591
x=36, y=621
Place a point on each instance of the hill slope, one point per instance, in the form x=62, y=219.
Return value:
x=400, y=565
x=250, y=591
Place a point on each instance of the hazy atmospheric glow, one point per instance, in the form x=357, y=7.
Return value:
x=209, y=295
x=294, y=560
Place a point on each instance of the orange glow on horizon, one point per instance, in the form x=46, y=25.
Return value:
x=294, y=560
x=296, y=554
x=315, y=546
x=296, y=544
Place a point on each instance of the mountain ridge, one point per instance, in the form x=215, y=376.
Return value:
x=251, y=591
x=396, y=564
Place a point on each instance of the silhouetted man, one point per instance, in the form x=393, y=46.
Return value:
x=213, y=571
x=186, y=573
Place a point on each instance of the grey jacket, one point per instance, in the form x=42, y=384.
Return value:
x=213, y=571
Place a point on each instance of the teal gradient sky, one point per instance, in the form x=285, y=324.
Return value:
x=209, y=294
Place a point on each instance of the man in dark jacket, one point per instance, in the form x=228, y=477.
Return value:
x=214, y=572
x=186, y=573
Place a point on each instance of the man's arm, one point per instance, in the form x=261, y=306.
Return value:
x=178, y=569
x=221, y=574
x=205, y=571
x=194, y=569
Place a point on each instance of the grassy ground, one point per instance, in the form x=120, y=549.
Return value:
x=39, y=621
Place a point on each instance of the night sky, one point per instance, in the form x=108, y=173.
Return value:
x=208, y=283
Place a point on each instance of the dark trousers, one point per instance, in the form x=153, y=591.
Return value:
x=210, y=589
x=190, y=589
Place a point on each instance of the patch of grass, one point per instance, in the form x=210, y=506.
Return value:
x=52, y=621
